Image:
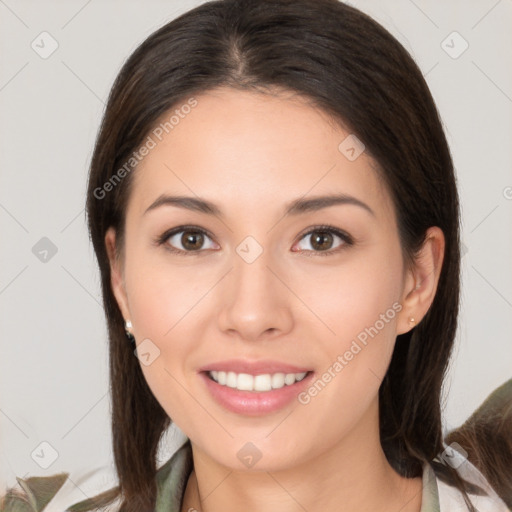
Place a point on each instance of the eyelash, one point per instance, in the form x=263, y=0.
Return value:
x=348, y=241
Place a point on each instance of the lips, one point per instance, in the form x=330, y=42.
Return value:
x=254, y=403
x=259, y=367
x=260, y=399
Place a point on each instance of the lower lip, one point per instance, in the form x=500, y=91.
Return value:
x=254, y=403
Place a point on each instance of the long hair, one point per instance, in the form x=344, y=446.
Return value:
x=351, y=68
x=486, y=437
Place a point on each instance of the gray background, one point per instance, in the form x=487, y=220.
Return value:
x=53, y=365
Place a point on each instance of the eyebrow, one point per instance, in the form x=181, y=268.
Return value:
x=296, y=207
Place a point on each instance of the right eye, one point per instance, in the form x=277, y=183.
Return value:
x=190, y=238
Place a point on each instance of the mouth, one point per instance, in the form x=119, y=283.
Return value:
x=255, y=383
x=255, y=389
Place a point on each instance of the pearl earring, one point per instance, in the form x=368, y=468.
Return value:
x=129, y=335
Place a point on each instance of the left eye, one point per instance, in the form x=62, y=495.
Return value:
x=321, y=239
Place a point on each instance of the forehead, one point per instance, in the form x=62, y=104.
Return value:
x=249, y=150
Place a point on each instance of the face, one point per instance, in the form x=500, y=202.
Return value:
x=269, y=286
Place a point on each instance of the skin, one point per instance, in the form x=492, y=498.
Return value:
x=251, y=154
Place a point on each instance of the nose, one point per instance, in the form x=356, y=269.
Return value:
x=256, y=304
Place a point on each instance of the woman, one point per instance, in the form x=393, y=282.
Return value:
x=274, y=210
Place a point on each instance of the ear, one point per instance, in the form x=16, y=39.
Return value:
x=116, y=273
x=421, y=281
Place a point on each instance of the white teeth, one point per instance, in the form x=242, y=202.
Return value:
x=245, y=382
x=265, y=382
x=289, y=379
x=277, y=380
x=231, y=379
x=262, y=382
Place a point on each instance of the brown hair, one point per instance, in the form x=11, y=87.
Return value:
x=353, y=69
x=486, y=436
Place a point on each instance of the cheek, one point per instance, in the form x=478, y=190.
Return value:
x=361, y=308
x=163, y=298
x=167, y=303
x=358, y=306
x=353, y=295
x=163, y=306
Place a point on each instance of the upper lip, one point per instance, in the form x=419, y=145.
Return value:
x=259, y=367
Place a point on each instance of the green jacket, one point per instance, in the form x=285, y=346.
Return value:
x=172, y=478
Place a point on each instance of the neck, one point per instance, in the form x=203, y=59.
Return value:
x=353, y=475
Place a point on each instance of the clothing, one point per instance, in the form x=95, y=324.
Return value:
x=172, y=477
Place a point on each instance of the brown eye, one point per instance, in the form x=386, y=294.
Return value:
x=192, y=240
x=187, y=240
x=323, y=240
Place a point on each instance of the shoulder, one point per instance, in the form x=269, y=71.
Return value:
x=37, y=493
x=172, y=479
x=60, y=493
x=57, y=492
x=451, y=499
